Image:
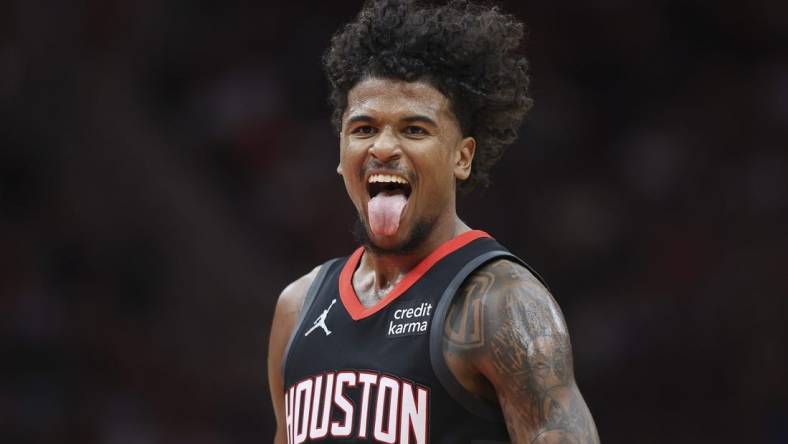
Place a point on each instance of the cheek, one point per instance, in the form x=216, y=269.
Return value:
x=438, y=172
x=346, y=157
x=343, y=148
x=351, y=152
x=350, y=166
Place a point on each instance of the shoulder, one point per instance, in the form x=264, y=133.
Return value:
x=501, y=292
x=291, y=299
x=517, y=299
x=288, y=307
x=520, y=314
x=505, y=276
x=503, y=318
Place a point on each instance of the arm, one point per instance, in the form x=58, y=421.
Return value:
x=286, y=314
x=520, y=347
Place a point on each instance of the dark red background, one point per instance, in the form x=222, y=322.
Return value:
x=166, y=168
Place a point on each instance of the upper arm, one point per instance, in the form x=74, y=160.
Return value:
x=288, y=307
x=523, y=350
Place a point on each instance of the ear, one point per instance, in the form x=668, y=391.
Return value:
x=464, y=158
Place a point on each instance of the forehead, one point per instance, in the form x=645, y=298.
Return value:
x=377, y=96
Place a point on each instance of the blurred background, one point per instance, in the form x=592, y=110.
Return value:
x=166, y=168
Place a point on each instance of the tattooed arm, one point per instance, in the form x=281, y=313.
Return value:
x=505, y=339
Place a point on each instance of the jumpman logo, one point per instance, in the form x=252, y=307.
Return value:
x=321, y=321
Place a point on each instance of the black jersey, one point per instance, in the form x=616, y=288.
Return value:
x=355, y=373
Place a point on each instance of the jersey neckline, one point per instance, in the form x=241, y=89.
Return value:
x=348, y=294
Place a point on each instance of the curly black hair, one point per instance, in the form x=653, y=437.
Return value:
x=467, y=51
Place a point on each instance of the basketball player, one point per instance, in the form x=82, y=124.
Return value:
x=430, y=331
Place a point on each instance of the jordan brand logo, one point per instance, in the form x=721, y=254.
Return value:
x=321, y=321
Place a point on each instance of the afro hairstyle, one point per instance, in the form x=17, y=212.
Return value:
x=469, y=52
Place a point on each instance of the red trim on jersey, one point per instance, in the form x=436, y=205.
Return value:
x=348, y=294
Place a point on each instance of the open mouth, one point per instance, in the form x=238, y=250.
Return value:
x=388, y=197
x=388, y=183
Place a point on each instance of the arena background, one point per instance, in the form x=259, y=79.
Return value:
x=166, y=168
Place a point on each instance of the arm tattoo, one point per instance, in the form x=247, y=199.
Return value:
x=507, y=323
x=463, y=327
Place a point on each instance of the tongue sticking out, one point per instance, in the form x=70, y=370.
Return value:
x=385, y=210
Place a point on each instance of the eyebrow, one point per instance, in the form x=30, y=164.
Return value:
x=419, y=118
x=359, y=118
x=408, y=119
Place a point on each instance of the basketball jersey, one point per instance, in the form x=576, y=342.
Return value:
x=356, y=374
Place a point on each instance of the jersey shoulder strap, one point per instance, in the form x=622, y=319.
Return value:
x=311, y=294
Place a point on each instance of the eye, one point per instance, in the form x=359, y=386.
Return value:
x=363, y=130
x=413, y=130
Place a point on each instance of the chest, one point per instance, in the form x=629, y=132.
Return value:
x=355, y=373
x=394, y=340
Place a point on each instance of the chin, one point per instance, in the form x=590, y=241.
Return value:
x=418, y=234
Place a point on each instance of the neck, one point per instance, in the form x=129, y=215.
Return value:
x=378, y=273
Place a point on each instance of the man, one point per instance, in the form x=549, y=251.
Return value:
x=431, y=331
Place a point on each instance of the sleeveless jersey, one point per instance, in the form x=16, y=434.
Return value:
x=357, y=374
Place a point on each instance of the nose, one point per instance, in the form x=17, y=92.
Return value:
x=386, y=146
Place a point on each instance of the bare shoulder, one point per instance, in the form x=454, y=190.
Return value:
x=288, y=307
x=488, y=293
x=519, y=342
x=291, y=300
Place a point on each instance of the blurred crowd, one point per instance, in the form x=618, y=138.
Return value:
x=166, y=168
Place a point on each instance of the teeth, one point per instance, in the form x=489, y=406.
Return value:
x=386, y=178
